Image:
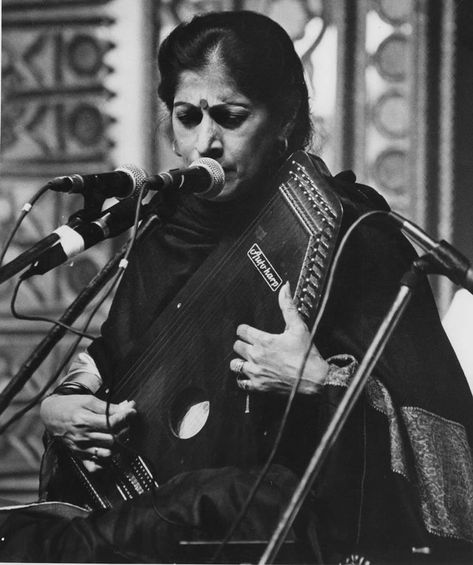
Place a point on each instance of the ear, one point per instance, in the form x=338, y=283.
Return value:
x=284, y=135
x=286, y=129
x=283, y=145
x=288, y=123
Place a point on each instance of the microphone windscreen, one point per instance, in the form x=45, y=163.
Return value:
x=137, y=175
x=216, y=173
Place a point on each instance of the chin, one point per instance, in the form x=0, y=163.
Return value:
x=232, y=190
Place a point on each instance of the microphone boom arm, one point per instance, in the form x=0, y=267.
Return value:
x=70, y=315
x=27, y=257
x=344, y=409
x=441, y=257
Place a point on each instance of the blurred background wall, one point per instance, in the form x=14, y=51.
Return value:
x=391, y=87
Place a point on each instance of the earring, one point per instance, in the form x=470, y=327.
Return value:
x=283, y=146
x=175, y=149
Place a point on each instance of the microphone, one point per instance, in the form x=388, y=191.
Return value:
x=204, y=176
x=451, y=262
x=73, y=240
x=124, y=181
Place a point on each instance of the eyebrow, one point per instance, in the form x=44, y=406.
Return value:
x=221, y=104
x=181, y=103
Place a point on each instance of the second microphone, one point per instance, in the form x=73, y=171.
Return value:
x=204, y=176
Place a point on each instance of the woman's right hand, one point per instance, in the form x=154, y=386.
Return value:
x=81, y=423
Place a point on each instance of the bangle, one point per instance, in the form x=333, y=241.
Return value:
x=71, y=388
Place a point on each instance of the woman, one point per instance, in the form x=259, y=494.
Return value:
x=247, y=112
x=235, y=91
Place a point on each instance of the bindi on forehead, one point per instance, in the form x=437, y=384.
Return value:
x=203, y=104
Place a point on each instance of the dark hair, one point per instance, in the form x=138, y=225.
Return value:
x=259, y=56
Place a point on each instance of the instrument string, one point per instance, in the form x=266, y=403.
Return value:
x=176, y=332
x=174, y=329
x=173, y=334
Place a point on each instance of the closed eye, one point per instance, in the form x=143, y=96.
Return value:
x=189, y=117
x=229, y=118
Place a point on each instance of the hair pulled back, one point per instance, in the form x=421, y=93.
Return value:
x=259, y=57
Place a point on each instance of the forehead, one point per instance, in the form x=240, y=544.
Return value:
x=211, y=83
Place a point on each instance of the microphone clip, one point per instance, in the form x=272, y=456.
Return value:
x=444, y=259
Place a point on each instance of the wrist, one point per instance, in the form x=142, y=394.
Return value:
x=315, y=375
x=71, y=387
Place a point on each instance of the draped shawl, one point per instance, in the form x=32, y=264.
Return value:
x=401, y=473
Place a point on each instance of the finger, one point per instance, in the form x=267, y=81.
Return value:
x=288, y=308
x=103, y=422
x=85, y=450
x=243, y=369
x=245, y=384
x=92, y=466
x=97, y=439
x=247, y=378
x=241, y=348
x=97, y=454
x=123, y=415
x=236, y=365
x=100, y=406
x=119, y=412
x=90, y=422
x=249, y=334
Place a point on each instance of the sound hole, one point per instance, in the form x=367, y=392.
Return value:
x=189, y=413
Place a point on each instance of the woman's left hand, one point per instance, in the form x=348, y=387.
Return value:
x=271, y=362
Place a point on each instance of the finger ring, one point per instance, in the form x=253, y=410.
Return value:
x=238, y=366
x=95, y=455
x=245, y=385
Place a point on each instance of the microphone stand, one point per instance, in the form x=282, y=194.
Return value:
x=355, y=388
x=70, y=315
x=29, y=256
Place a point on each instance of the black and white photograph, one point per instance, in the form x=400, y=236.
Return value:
x=236, y=303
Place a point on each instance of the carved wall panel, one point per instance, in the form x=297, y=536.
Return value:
x=403, y=110
x=55, y=120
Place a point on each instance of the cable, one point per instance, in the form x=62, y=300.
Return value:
x=42, y=318
x=38, y=397
x=24, y=211
x=79, y=333
x=121, y=269
x=292, y=395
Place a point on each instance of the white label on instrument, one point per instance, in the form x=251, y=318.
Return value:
x=265, y=269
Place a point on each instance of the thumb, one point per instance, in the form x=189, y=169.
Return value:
x=125, y=410
x=288, y=308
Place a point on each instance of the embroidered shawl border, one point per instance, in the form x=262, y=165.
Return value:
x=443, y=465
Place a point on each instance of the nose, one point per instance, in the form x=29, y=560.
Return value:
x=209, y=140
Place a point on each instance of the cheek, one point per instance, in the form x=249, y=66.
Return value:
x=184, y=141
x=255, y=146
x=260, y=151
x=181, y=134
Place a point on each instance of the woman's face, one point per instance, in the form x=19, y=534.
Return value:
x=211, y=118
